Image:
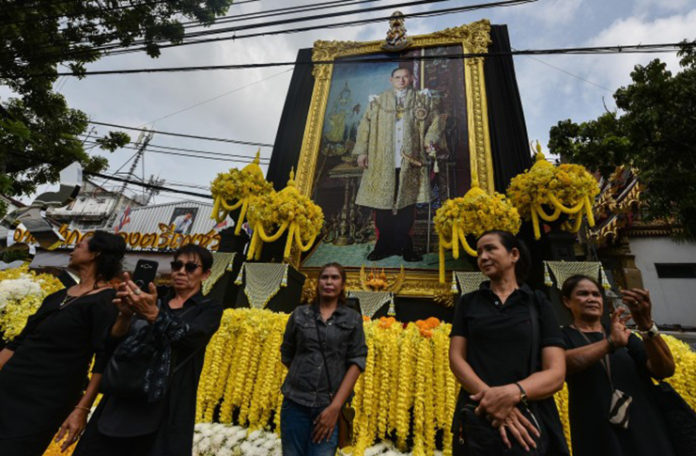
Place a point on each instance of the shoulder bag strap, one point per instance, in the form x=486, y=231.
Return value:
x=605, y=361
x=534, y=323
x=323, y=355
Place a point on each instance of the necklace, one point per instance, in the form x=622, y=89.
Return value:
x=68, y=299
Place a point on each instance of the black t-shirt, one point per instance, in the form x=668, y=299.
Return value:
x=589, y=397
x=498, y=335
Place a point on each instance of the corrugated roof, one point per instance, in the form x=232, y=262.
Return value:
x=147, y=219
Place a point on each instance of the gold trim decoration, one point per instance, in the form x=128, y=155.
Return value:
x=474, y=38
x=379, y=282
x=222, y=262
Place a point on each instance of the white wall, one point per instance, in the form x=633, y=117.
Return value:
x=674, y=300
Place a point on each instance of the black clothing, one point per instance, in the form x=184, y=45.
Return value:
x=166, y=427
x=589, y=396
x=393, y=231
x=343, y=341
x=47, y=374
x=499, y=345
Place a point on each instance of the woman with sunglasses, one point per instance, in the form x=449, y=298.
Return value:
x=180, y=321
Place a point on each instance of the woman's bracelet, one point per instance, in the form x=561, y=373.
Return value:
x=86, y=409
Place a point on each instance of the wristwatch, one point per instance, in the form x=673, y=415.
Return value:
x=650, y=332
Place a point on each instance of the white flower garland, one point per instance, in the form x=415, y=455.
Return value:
x=214, y=439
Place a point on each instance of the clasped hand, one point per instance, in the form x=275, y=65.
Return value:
x=497, y=404
x=131, y=299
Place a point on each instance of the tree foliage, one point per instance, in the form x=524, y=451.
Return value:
x=38, y=131
x=654, y=131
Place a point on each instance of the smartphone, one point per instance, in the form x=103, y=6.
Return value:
x=144, y=273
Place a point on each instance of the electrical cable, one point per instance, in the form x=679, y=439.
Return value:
x=263, y=160
x=117, y=48
x=593, y=50
x=216, y=157
x=183, y=135
x=149, y=186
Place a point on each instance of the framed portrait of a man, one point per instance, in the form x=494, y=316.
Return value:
x=389, y=136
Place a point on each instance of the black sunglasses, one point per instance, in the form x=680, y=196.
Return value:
x=189, y=266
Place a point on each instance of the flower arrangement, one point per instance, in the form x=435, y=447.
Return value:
x=474, y=213
x=567, y=188
x=234, y=190
x=406, y=380
x=291, y=212
x=21, y=294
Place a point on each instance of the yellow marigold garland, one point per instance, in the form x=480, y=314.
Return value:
x=472, y=214
x=414, y=379
x=240, y=187
x=289, y=211
x=566, y=188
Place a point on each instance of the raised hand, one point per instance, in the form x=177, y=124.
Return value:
x=619, y=333
x=638, y=302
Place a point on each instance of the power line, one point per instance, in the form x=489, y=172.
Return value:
x=198, y=154
x=183, y=135
x=593, y=50
x=217, y=97
x=459, y=9
x=245, y=158
x=117, y=48
x=148, y=186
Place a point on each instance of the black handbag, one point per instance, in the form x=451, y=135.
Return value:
x=679, y=418
x=126, y=377
x=476, y=436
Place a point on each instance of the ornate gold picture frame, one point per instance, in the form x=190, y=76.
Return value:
x=473, y=38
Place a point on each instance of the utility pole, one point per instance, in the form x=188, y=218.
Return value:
x=143, y=140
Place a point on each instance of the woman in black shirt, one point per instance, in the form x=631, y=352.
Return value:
x=179, y=321
x=631, y=364
x=314, y=391
x=506, y=351
x=44, y=370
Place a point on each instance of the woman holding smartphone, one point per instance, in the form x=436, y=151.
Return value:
x=176, y=323
x=602, y=361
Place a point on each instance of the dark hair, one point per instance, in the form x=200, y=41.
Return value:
x=342, y=273
x=202, y=253
x=571, y=282
x=110, y=249
x=410, y=71
x=510, y=242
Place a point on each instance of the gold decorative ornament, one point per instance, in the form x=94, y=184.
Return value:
x=396, y=39
x=472, y=214
x=568, y=189
x=235, y=189
x=290, y=212
x=373, y=281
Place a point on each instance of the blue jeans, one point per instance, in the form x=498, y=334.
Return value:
x=296, y=426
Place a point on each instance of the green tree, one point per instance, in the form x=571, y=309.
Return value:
x=38, y=131
x=654, y=131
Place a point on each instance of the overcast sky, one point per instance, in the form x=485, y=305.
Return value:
x=247, y=103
